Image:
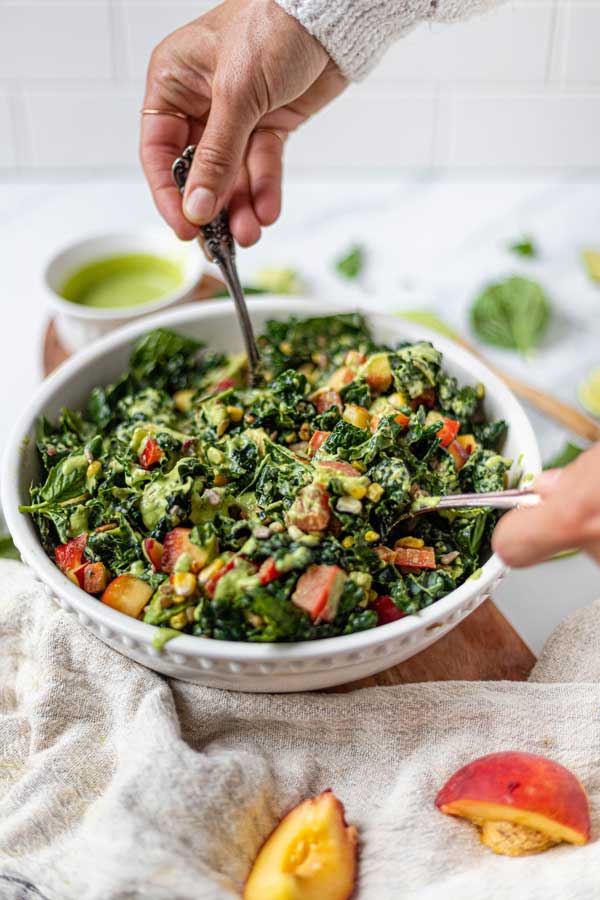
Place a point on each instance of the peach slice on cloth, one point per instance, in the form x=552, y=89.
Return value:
x=522, y=803
x=311, y=855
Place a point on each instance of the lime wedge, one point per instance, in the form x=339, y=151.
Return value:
x=429, y=320
x=591, y=261
x=589, y=392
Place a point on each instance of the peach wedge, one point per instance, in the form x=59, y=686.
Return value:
x=311, y=855
x=522, y=803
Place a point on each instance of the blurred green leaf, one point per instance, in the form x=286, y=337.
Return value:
x=351, y=265
x=524, y=247
x=565, y=456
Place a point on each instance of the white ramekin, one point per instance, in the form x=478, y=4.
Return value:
x=77, y=325
x=228, y=664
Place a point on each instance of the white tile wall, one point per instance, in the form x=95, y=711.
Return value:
x=510, y=43
x=517, y=87
x=8, y=154
x=84, y=129
x=146, y=24
x=524, y=130
x=55, y=40
x=583, y=47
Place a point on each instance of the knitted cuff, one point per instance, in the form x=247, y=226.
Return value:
x=356, y=33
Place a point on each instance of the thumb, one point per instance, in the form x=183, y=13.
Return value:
x=218, y=157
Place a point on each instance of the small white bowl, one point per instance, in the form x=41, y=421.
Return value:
x=78, y=325
x=230, y=664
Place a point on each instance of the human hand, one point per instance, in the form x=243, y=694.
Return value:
x=244, y=65
x=567, y=518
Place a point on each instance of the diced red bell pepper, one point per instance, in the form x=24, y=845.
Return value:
x=151, y=454
x=318, y=592
x=459, y=454
x=427, y=398
x=386, y=610
x=448, y=431
x=92, y=577
x=385, y=554
x=324, y=400
x=316, y=441
x=267, y=572
x=223, y=385
x=69, y=556
x=411, y=557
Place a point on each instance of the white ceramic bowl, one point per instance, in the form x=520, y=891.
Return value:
x=228, y=664
x=78, y=325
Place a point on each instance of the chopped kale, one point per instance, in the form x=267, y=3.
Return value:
x=278, y=512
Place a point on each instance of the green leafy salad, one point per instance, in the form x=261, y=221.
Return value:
x=281, y=512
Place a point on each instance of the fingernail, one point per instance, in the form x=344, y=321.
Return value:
x=547, y=481
x=199, y=206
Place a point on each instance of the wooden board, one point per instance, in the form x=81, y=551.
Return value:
x=484, y=647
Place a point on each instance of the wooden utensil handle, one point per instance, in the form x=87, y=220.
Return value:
x=555, y=409
x=561, y=412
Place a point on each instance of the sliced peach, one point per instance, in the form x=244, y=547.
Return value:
x=310, y=510
x=311, y=855
x=128, y=594
x=318, y=438
x=377, y=372
x=176, y=544
x=325, y=398
x=340, y=378
x=92, y=577
x=153, y=551
x=69, y=556
x=356, y=415
x=523, y=803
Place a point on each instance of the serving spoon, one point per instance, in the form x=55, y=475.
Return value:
x=516, y=497
x=219, y=247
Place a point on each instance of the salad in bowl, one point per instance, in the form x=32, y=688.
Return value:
x=183, y=497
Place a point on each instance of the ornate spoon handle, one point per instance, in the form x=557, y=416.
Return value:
x=219, y=247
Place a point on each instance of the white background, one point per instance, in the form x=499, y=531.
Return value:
x=517, y=86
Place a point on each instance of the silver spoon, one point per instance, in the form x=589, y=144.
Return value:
x=517, y=497
x=219, y=247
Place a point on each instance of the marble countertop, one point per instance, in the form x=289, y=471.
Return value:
x=430, y=244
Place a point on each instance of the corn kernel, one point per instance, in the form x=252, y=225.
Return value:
x=359, y=466
x=220, y=479
x=358, y=491
x=304, y=432
x=348, y=542
x=356, y=415
x=222, y=427
x=184, y=583
x=178, y=621
x=183, y=399
x=286, y=348
x=375, y=492
x=209, y=571
x=371, y=536
x=398, y=399
x=235, y=413
x=94, y=469
x=415, y=543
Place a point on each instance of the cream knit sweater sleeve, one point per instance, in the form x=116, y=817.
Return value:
x=356, y=33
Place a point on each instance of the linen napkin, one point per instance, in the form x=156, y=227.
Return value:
x=118, y=783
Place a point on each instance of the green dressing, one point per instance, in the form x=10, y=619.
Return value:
x=122, y=281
